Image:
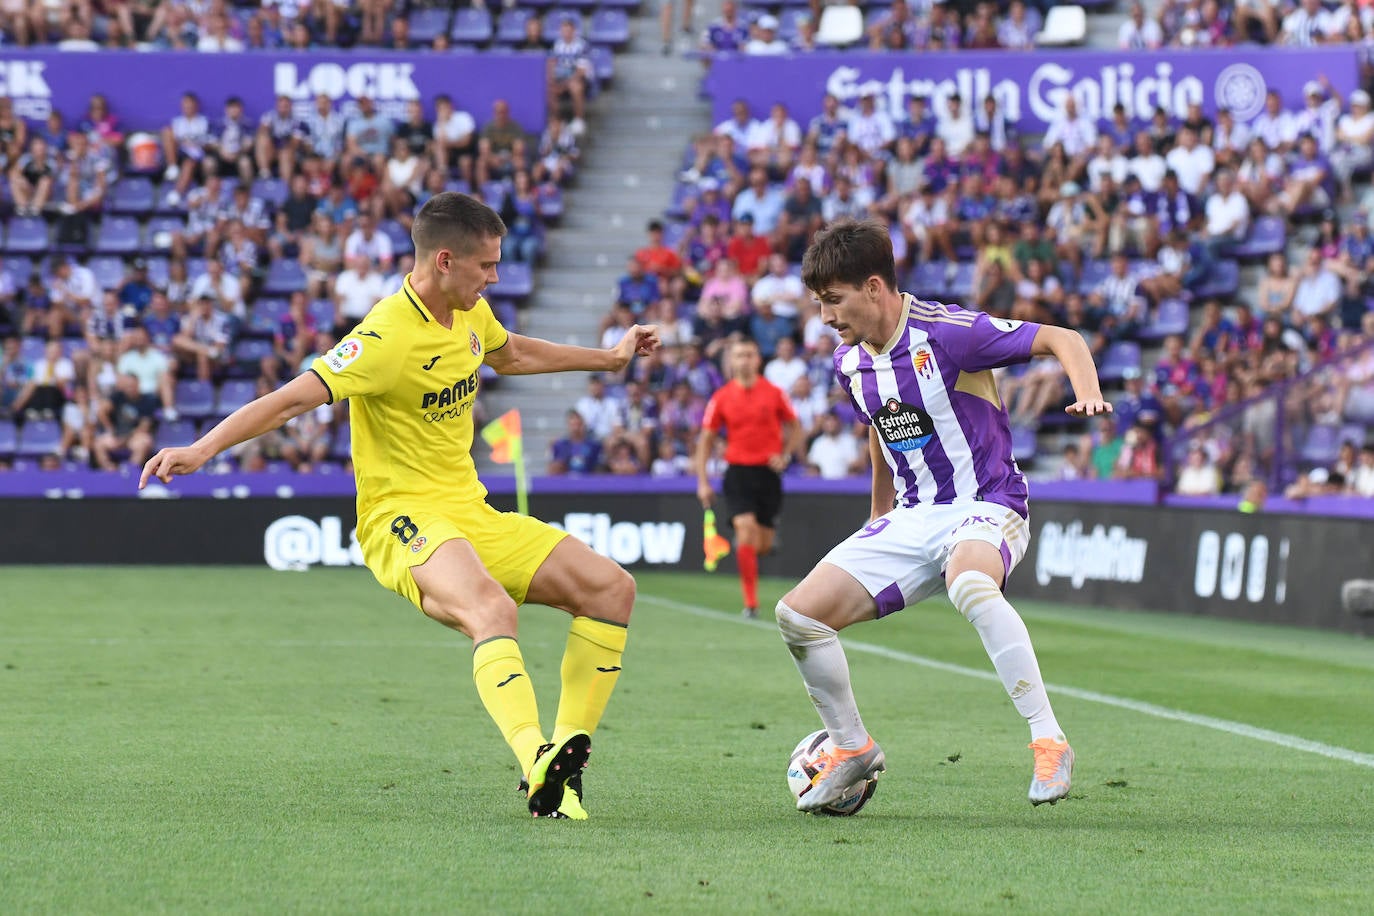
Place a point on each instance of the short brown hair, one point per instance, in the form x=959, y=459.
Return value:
x=849, y=251
x=456, y=222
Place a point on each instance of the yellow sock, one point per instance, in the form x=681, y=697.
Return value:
x=591, y=666
x=498, y=670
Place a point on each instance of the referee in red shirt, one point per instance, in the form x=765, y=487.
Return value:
x=761, y=432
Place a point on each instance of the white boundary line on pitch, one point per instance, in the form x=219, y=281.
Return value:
x=1291, y=742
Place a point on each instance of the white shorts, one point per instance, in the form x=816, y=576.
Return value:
x=901, y=557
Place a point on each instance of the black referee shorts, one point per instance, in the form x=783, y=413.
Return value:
x=753, y=488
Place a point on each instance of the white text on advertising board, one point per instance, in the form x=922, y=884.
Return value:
x=1101, y=555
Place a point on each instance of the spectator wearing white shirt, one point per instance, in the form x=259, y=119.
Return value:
x=765, y=41
x=955, y=126
x=1075, y=131
x=601, y=412
x=216, y=37
x=1319, y=114
x=1354, y=146
x=366, y=242
x=455, y=138
x=221, y=286
x=153, y=371
x=49, y=383
x=1191, y=161
x=1229, y=138
x=1319, y=290
x=786, y=366
x=1199, y=476
x=1147, y=164
x=870, y=129
x=357, y=288
x=779, y=288
x=738, y=125
x=204, y=337
x=775, y=141
x=183, y=143
x=1138, y=33
x=1305, y=26
x=1227, y=212
x=72, y=289
x=835, y=453
x=1274, y=125
x=1107, y=160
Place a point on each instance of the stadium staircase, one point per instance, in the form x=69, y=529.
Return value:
x=631, y=154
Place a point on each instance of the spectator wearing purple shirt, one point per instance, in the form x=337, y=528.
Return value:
x=577, y=452
x=162, y=324
x=636, y=289
x=1309, y=184
x=727, y=33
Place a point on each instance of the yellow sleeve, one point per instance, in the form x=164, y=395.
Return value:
x=494, y=335
x=365, y=362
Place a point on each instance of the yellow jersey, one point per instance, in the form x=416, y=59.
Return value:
x=412, y=383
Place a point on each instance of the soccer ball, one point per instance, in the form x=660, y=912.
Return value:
x=801, y=766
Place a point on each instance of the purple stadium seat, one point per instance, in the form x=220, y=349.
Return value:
x=1023, y=443
x=39, y=438
x=31, y=349
x=1354, y=432
x=195, y=267
x=619, y=4
x=1094, y=272
x=961, y=289
x=578, y=4
x=1268, y=235
x=325, y=314
x=789, y=20
x=26, y=235
x=9, y=438
x=399, y=235
x=1170, y=318
x=18, y=269
x=1221, y=282
x=272, y=191
x=177, y=434
x=603, y=64
x=233, y=394
x=283, y=278
x=506, y=313
x=427, y=25
x=537, y=4
x=673, y=233
x=471, y=25
x=164, y=202
x=132, y=194
x=516, y=281
x=510, y=28
x=551, y=204
x=554, y=18
x=266, y=315
x=1120, y=356
x=928, y=279
x=1321, y=446
x=248, y=356
x=108, y=270
x=160, y=232
x=158, y=271
x=342, y=445
x=118, y=235
x=609, y=27
x=684, y=192
x=494, y=194
x=195, y=399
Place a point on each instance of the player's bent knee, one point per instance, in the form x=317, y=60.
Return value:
x=484, y=611
x=799, y=630
x=616, y=598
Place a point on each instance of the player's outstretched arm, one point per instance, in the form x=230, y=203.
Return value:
x=530, y=355
x=305, y=392
x=1073, y=354
x=884, y=494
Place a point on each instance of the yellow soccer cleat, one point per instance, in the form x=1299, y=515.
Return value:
x=553, y=767
x=713, y=545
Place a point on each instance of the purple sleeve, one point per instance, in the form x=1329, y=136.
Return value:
x=987, y=343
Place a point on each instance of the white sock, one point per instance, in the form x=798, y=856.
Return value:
x=1008, y=644
x=816, y=649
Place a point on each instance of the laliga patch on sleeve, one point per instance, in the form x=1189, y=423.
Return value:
x=1004, y=324
x=348, y=350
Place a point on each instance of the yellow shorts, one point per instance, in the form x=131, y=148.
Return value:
x=396, y=537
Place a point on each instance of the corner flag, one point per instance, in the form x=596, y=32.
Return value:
x=508, y=447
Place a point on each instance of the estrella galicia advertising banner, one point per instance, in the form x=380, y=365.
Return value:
x=144, y=88
x=1278, y=568
x=1030, y=87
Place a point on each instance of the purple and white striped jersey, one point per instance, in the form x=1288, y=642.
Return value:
x=932, y=399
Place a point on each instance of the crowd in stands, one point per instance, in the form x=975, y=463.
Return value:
x=155, y=277
x=1132, y=229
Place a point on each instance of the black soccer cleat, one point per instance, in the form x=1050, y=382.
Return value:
x=554, y=766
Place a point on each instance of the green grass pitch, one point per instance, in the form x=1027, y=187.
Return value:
x=238, y=740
